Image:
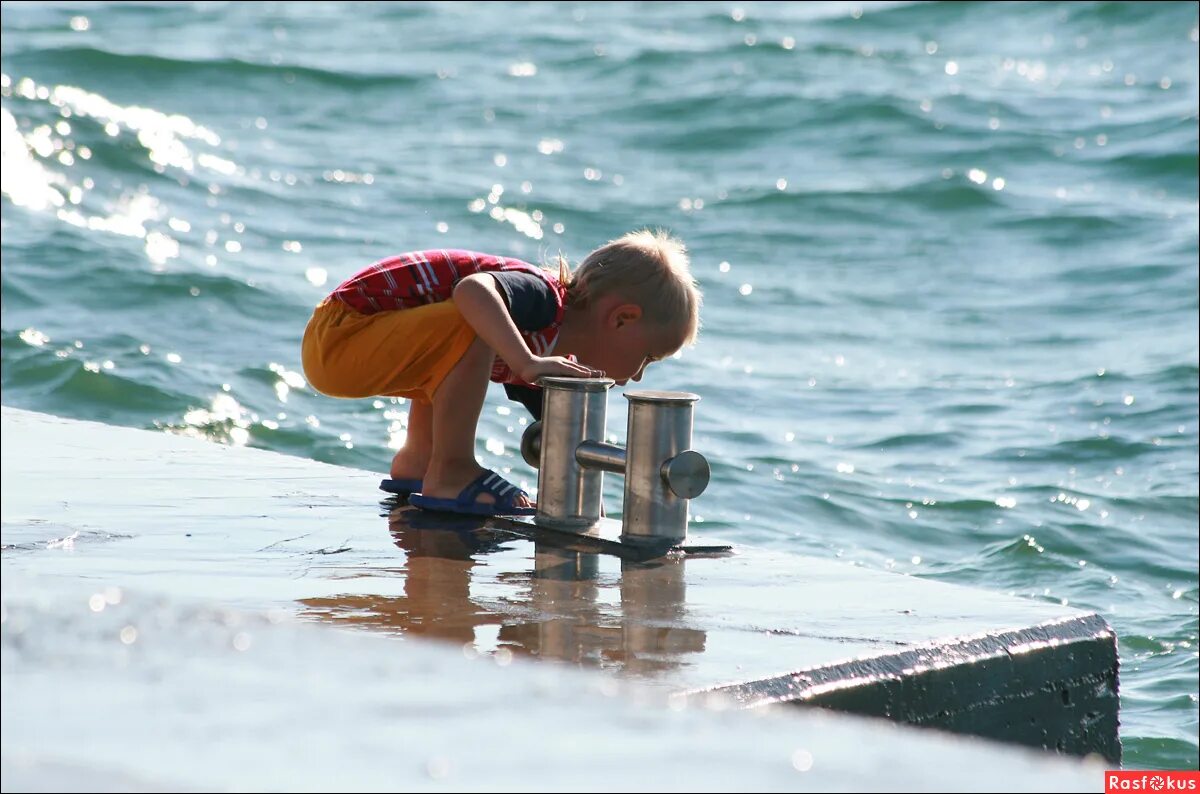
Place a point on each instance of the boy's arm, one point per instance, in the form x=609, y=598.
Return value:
x=483, y=307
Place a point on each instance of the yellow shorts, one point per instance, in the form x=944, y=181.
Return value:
x=404, y=353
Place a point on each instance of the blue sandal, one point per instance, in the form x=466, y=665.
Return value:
x=504, y=492
x=401, y=487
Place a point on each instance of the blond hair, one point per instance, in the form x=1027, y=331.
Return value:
x=649, y=268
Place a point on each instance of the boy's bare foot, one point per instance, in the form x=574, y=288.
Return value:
x=407, y=466
x=447, y=481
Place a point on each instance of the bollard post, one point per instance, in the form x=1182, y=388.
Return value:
x=661, y=471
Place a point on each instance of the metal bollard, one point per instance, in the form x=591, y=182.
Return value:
x=569, y=494
x=661, y=472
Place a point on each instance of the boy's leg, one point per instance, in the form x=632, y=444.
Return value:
x=412, y=460
x=456, y=407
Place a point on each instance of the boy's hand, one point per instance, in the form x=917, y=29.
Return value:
x=557, y=366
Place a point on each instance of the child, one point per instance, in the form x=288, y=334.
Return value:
x=436, y=326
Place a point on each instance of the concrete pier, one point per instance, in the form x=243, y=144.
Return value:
x=246, y=549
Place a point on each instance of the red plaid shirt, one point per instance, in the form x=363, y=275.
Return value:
x=416, y=278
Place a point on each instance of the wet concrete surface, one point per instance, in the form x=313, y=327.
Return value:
x=212, y=549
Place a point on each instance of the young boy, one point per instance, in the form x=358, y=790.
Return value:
x=436, y=326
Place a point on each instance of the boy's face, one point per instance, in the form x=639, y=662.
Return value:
x=630, y=345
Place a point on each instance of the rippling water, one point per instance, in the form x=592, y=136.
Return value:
x=949, y=252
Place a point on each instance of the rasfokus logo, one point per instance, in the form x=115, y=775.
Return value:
x=1139, y=780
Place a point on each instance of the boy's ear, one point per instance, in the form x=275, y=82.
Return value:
x=624, y=313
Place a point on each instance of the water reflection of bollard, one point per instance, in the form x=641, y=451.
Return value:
x=565, y=592
x=661, y=472
x=654, y=631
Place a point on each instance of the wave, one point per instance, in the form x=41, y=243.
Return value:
x=1184, y=376
x=942, y=440
x=69, y=387
x=1095, y=449
x=97, y=62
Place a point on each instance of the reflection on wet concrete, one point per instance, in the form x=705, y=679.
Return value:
x=505, y=588
x=641, y=635
x=492, y=590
